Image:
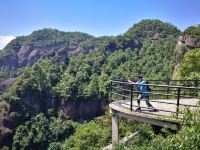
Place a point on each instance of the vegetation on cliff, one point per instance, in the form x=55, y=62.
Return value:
x=194, y=33
x=147, y=48
x=187, y=138
x=190, y=66
x=87, y=76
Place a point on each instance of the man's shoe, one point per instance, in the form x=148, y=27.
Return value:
x=149, y=105
x=138, y=109
x=153, y=110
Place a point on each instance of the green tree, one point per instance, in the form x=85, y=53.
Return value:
x=190, y=66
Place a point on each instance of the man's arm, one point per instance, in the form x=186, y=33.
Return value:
x=137, y=87
x=143, y=82
x=129, y=81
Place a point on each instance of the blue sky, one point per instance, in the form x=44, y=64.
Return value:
x=96, y=17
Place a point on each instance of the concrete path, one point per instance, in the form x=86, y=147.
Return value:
x=162, y=109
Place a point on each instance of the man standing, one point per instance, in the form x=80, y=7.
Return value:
x=144, y=92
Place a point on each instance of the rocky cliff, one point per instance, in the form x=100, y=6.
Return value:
x=189, y=40
x=26, y=50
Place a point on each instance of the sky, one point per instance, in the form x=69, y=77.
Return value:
x=95, y=17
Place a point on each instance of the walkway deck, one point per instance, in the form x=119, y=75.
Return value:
x=160, y=106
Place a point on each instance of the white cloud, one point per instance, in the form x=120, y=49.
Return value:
x=4, y=40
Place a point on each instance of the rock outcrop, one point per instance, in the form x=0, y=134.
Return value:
x=187, y=41
x=6, y=84
x=33, y=57
x=23, y=55
x=28, y=55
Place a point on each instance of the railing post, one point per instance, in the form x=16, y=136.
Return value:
x=178, y=100
x=111, y=91
x=196, y=85
x=131, y=97
x=123, y=92
x=168, y=89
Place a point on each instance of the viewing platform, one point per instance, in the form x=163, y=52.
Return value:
x=169, y=103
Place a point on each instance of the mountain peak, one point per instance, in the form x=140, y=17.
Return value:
x=152, y=29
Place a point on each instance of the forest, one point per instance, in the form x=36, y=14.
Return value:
x=35, y=97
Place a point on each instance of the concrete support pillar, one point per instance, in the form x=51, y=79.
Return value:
x=115, y=128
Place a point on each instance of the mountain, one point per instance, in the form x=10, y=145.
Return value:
x=80, y=66
x=46, y=43
x=59, y=72
x=26, y=50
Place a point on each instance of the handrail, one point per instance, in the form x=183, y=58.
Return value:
x=120, y=95
x=162, y=80
x=167, y=86
x=121, y=89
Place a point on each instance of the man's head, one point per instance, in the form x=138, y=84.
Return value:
x=139, y=78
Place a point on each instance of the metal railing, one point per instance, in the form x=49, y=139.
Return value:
x=167, y=100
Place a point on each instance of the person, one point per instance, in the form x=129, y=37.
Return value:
x=144, y=92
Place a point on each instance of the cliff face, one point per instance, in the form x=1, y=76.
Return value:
x=77, y=110
x=187, y=41
x=83, y=110
x=28, y=55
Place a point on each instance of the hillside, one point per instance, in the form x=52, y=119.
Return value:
x=26, y=50
x=46, y=43
x=75, y=68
